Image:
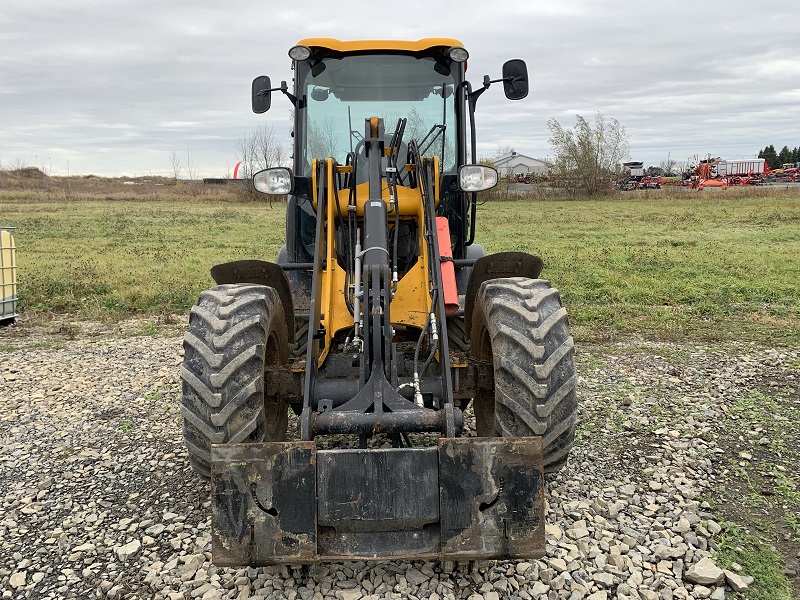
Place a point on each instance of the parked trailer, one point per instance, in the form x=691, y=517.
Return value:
x=715, y=172
x=634, y=169
x=742, y=167
x=635, y=178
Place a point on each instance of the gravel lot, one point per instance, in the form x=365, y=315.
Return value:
x=97, y=498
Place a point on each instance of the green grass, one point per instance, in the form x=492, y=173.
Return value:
x=107, y=257
x=763, y=492
x=793, y=521
x=700, y=265
x=758, y=560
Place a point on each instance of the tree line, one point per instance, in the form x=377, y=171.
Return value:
x=776, y=160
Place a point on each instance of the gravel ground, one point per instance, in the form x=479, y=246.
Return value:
x=97, y=498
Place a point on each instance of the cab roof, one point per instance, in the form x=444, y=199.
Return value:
x=368, y=45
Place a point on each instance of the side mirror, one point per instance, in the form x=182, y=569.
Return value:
x=262, y=94
x=515, y=79
x=320, y=94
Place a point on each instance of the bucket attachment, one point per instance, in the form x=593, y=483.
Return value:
x=287, y=502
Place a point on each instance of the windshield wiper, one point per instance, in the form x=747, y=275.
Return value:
x=439, y=129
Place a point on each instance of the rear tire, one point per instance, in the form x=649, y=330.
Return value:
x=520, y=326
x=235, y=333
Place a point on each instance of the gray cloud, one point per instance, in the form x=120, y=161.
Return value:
x=113, y=88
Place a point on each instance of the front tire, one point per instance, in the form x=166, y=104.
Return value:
x=520, y=326
x=235, y=333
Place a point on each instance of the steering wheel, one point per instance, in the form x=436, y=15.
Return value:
x=361, y=148
x=361, y=158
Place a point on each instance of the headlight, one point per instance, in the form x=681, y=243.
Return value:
x=275, y=181
x=476, y=178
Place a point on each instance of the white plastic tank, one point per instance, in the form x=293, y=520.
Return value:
x=8, y=275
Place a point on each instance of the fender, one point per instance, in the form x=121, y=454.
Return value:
x=260, y=272
x=497, y=266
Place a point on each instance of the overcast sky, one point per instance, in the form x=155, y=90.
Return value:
x=114, y=88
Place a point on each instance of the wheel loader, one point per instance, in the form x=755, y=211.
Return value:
x=380, y=325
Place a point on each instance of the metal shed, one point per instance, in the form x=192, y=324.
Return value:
x=515, y=162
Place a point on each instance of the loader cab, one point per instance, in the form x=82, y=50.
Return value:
x=337, y=85
x=341, y=84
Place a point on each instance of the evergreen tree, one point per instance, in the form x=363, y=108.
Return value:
x=771, y=157
x=785, y=155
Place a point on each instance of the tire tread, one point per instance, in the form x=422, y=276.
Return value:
x=223, y=368
x=533, y=355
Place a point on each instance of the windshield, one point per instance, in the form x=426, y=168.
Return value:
x=340, y=93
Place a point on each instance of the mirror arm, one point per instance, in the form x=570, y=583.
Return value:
x=473, y=96
x=487, y=83
x=472, y=99
x=298, y=104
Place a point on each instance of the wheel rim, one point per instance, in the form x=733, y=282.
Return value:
x=484, y=404
x=275, y=410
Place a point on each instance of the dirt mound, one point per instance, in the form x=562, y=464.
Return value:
x=29, y=173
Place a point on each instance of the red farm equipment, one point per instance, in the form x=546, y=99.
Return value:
x=715, y=172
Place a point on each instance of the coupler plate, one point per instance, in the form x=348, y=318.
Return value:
x=287, y=502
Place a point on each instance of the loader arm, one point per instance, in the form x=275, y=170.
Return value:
x=377, y=407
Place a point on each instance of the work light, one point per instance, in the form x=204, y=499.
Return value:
x=299, y=52
x=458, y=54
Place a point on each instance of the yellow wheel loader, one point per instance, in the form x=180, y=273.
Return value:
x=379, y=323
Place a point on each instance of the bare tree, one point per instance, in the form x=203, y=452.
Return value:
x=586, y=156
x=191, y=169
x=177, y=165
x=667, y=165
x=259, y=150
x=323, y=141
x=17, y=164
x=503, y=151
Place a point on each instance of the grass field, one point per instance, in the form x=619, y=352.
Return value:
x=711, y=265
x=696, y=264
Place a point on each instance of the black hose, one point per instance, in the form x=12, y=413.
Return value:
x=391, y=180
x=347, y=249
x=419, y=342
x=428, y=361
x=349, y=266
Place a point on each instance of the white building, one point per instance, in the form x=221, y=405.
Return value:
x=514, y=163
